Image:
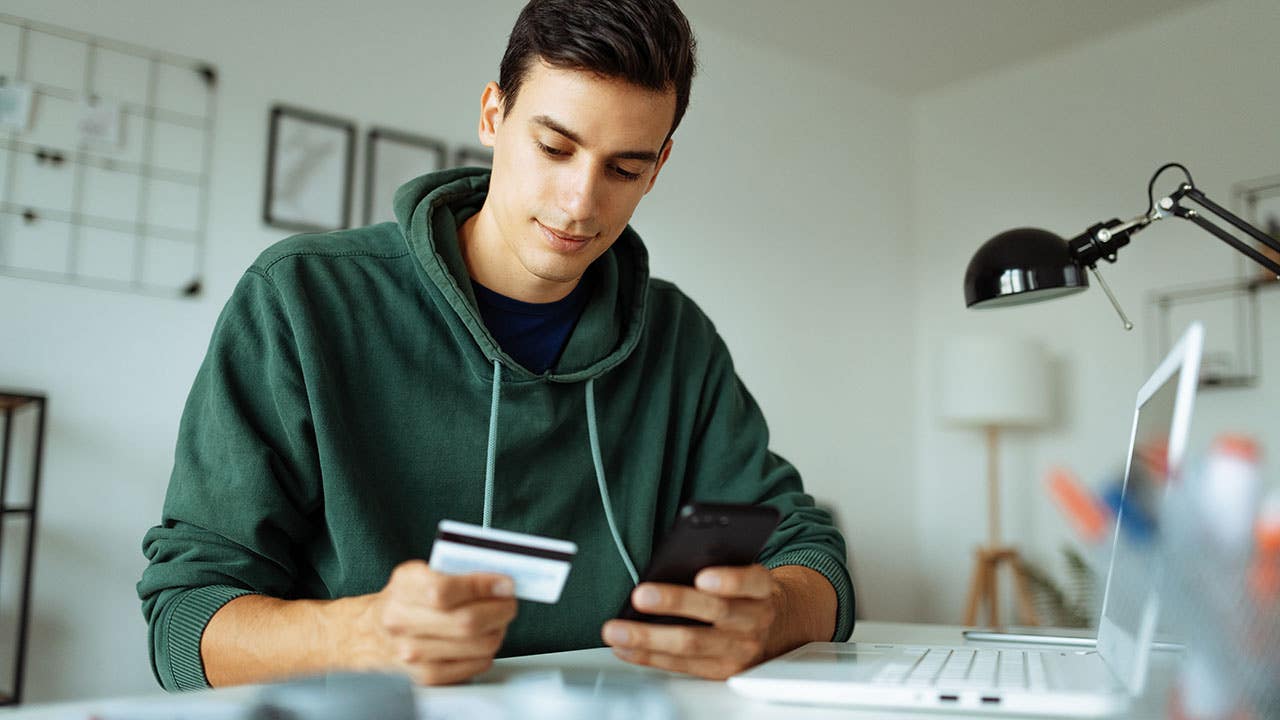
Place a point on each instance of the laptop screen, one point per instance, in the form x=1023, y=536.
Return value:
x=1130, y=607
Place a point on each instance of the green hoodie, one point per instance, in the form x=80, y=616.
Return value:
x=351, y=398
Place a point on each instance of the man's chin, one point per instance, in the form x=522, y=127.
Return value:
x=559, y=276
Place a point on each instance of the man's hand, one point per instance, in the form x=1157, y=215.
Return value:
x=438, y=629
x=741, y=604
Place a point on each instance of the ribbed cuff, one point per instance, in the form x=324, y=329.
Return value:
x=835, y=573
x=183, y=669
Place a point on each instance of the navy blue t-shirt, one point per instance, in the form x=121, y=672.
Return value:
x=533, y=333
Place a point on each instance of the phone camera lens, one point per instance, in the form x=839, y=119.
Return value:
x=724, y=521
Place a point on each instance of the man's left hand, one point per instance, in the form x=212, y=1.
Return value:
x=740, y=603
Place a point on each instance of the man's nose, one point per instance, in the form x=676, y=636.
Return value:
x=579, y=199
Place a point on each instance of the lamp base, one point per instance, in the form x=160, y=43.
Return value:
x=984, y=589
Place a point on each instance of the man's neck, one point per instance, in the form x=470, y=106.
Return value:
x=491, y=263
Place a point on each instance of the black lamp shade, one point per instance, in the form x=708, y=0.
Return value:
x=1021, y=266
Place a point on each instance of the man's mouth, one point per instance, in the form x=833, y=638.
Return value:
x=563, y=236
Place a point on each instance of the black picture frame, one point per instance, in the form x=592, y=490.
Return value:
x=1229, y=310
x=310, y=159
x=413, y=155
x=473, y=156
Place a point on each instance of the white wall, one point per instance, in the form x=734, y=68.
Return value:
x=784, y=219
x=1060, y=144
x=783, y=212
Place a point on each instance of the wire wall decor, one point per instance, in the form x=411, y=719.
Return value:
x=105, y=153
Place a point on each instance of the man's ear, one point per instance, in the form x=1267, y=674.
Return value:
x=662, y=160
x=490, y=113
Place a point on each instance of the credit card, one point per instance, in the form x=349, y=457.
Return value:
x=538, y=565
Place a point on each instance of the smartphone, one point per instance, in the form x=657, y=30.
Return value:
x=704, y=535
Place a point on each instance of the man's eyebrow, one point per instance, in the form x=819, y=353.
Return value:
x=550, y=124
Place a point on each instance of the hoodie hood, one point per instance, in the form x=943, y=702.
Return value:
x=429, y=210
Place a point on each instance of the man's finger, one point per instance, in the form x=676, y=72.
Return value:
x=447, y=592
x=682, y=641
x=747, y=616
x=705, y=667
x=679, y=600
x=477, y=618
x=414, y=651
x=448, y=673
x=472, y=620
x=417, y=620
x=753, y=581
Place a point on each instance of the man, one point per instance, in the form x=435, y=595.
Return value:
x=499, y=355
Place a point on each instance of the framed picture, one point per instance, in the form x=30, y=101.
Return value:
x=1229, y=310
x=469, y=156
x=392, y=158
x=309, y=165
x=1258, y=202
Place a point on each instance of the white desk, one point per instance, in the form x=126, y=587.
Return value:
x=693, y=698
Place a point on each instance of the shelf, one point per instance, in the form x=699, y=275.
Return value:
x=12, y=400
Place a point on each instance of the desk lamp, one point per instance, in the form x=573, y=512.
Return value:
x=1028, y=265
x=994, y=383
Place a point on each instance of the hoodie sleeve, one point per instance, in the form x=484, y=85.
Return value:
x=731, y=462
x=237, y=501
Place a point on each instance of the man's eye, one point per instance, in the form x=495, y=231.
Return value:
x=625, y=175
x=553, y=152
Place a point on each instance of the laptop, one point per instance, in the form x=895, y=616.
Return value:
x=1026, y=680
x=1043, y=635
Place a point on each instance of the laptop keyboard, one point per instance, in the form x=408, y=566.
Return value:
x=964, y=668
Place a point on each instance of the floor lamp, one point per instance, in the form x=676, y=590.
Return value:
x=995, y=383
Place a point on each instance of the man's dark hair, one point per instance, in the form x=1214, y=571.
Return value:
x=645, y=42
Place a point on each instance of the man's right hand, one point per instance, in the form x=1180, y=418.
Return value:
x=436, y=628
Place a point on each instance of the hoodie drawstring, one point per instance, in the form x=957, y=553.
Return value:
x=604, y=486
x=596, y=458
x=492, y=456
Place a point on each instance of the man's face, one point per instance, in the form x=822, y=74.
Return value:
x=571, y=161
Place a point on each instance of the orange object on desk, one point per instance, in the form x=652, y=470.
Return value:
x=1264, y=573
x=1081, y=508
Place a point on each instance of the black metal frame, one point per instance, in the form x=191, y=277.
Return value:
x=12, y=402
x=379, y=134
x=345, y=126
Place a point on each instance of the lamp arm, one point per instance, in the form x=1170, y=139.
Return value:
x=1129, y=226
x=1102, y=240
x=1189, y=191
